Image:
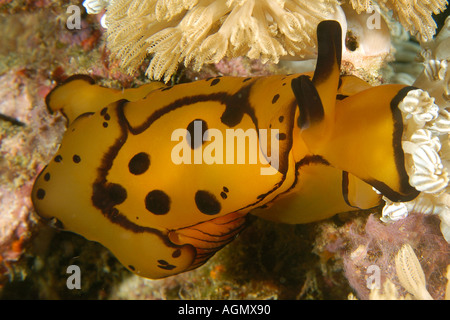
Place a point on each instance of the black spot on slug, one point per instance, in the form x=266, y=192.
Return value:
x=163, y=264
x=139, y=163
x=214, y=82
x=275, y=98
x=281, y=136
x=58, y=158
x=207, y=203
x=76, y=158
x=196, y=141
x=106, y=196
x=157, y=202
x=47, y=176
x=40, y=194
x=131, y=267
x=176, y=253
x=341, y=96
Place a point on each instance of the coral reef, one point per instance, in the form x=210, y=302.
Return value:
x=206, y=31
x=198, y=32
x=367, y=247
x=325, y=260
x=411, y=277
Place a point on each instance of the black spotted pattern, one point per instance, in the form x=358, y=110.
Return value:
x=223, y=194
x=196, y=142
x=139, y=163
x=76, y=158
x=214, y=82
x=58, y=158
x=47, y=176
x=281, y=136
x=106, y=116
x=157, y=202
x=236, y=107
x=40, y=194
x=341, y=96
x=275, y=98
x=108, y=195
x=207, y=203
x=163, y=264
x=176, y=253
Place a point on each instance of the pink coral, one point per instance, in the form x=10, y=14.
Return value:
x=22, y=148
x=378, y=243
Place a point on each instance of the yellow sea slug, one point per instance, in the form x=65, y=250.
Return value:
x=165, y=176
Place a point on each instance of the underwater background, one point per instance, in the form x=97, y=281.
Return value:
x=45, y=41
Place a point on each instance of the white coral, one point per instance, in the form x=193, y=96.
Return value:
x=441, y=125
x=393, y=211
x=205, y=31
x=410, y=273
x=429, y=175
x=420, y=106
x=95, y=6
x=435, y=69
x=426, y=204
x=421, y=137
x=436, y=77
